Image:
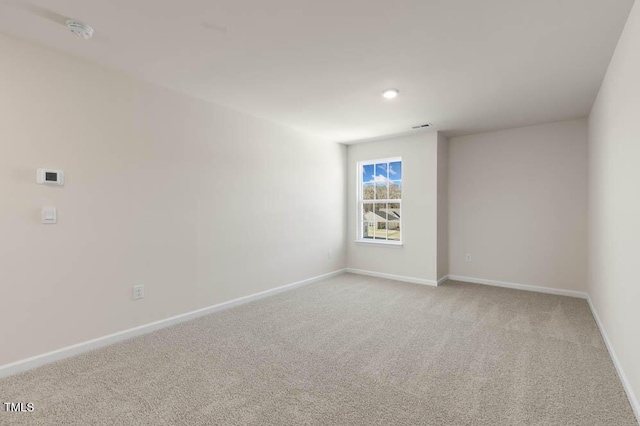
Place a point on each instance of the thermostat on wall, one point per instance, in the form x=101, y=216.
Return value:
x=50, y=177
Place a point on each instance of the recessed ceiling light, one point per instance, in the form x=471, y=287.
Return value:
x=390, y=93
x=81, y=30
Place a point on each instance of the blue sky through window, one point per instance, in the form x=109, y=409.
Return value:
x=395, y=170
x=382, y=172
x=367, y=173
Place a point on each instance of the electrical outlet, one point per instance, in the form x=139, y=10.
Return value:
x=329, y=255
x=138, y=292
x=468, y=257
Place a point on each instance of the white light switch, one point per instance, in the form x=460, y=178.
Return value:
x=49, y=215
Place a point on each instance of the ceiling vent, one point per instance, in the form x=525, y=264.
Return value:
x=421, y=126
x=81, y=30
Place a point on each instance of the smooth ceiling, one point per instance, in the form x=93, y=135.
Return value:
x=465, y=66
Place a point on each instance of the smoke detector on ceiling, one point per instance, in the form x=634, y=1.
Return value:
x=81, y=30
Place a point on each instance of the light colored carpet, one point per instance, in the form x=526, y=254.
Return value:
x=352, y=350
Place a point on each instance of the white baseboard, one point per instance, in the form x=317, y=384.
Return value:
x=623, y=377
x=443, y=280
x=69, y=351
x=527, y=287
x=393, y=277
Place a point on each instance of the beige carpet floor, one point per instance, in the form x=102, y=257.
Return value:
x=352, y=350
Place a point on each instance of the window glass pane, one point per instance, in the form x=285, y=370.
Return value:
x=394, y=211
x=367, y=173
x=367, y=191
x=395, y=170
x=381, y=231
x=381, y=173
x=393, y=230
x=380, y=212
x=395, y=190
x=381, y=191
x=367, y=212
x=368, y=229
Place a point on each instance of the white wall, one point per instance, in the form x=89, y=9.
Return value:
x=614, y=202
x=518, y=205
x=417, y=257
x=199, y=203
x=443, y=206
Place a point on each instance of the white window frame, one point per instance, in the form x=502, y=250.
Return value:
x=359, y=202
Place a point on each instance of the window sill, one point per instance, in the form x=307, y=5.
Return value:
x=379, y=243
